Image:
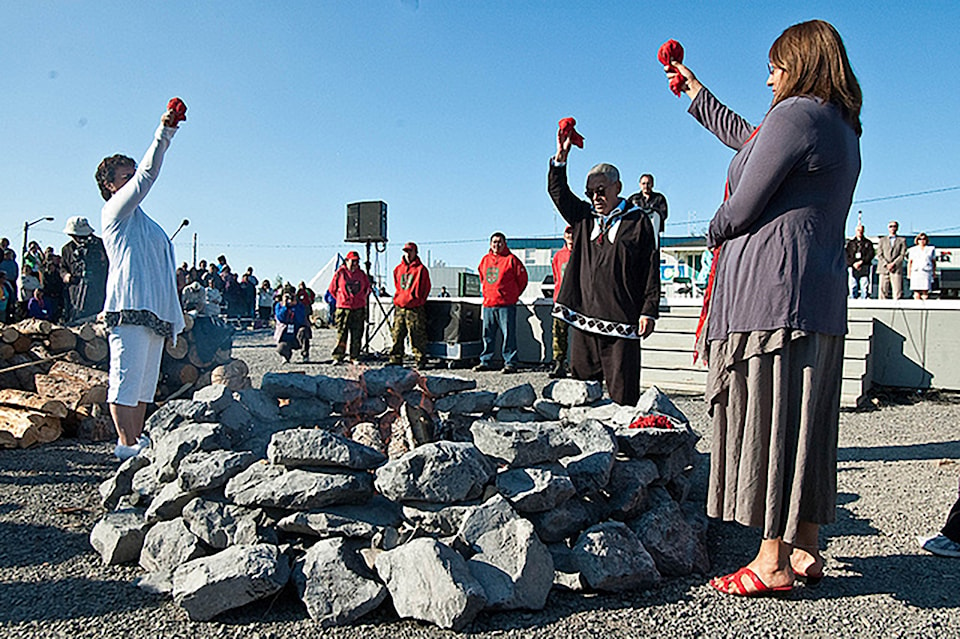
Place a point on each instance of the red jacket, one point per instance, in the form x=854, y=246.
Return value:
x=559, y=266
x=503, y=278
x=350, y=288
x=412, y=283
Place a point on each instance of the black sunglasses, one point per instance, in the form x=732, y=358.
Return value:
x=599, y=191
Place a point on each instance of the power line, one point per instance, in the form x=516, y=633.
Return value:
x=904, y=195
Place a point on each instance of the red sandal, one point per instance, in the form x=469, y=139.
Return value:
x=733, y=584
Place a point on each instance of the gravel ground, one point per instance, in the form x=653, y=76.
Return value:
x=898, y=477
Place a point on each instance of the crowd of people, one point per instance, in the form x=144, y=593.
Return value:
x=891, y=255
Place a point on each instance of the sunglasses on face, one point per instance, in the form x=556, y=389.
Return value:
x=599, y=192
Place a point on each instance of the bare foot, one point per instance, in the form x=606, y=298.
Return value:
x=755, y=579
x=806, y=562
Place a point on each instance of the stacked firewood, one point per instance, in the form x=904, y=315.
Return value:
x=190, y=361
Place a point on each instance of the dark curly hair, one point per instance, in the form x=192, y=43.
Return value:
x=107, y=172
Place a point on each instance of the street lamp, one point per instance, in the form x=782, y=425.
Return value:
x=26, y=228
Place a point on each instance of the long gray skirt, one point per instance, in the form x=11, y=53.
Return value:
x=775, y=401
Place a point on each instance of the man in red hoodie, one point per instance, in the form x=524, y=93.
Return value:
x=560, y=328
x=350, y=287
x=411, y=279
x=503, y=278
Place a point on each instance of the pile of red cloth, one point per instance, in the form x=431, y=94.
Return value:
x=672, y=51
x=179, y=110
x=652, y=421
x=567, y=131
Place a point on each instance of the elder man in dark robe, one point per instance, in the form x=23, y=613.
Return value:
x=84, y=265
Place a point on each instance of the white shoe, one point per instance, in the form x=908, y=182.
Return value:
x=143, y=442
x=124, y=453
x=940, y=545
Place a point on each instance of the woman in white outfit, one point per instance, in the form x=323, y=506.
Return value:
x=142, y=307
x=922, y=266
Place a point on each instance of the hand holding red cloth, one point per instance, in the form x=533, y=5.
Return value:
x=669, y=51
x=178, y=109
x=567, y=131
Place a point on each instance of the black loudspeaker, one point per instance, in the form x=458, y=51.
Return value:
x=367, y=222
x=453, y=322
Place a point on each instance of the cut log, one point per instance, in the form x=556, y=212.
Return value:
x=22, y=344
x=61, y=339
x=6, y=350
x=84, y=331
x=40, y=351
x=69, y=391
x=194, y=356
x=96, y=350
x=176, y=349
x=22, y=428
x=223, y=356
x=89, y=376
x=95, y=424
x=34, y=326
x=32, y=401
x=181, y=373
x=24, y=374
x=9, y=334
x=187, y=322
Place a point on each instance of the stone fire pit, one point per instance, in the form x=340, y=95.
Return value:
x=418, y=492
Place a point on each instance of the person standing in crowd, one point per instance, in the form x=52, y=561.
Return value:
x=222, y=263
x=265, y=301
x=411, y=280
x=29, y=282
x=503, y=278
x=53, y=292
x=199, y=271
x=350, y=287
x=611, y=287
x=255, y=282
x=292, y=330
x=11, y=269
x=34, y=257
x=560, y=328
x=232, y=293
x=7, y=300
x=248, y=293
x=142, y=306
x=212, y=279
x=84, y=264
x=307, y=297
x=947, y=543
x=922, y=267
x=860, y=254
x=891, y=251
x=444, y=292
x=777, y=313
x=183, y=274
x=37, y=307
x=654, y=204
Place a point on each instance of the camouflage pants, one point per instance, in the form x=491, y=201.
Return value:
x=352, y=321
x=414, y=322
x=560, y=332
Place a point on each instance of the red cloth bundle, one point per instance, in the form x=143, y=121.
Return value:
x=651, y=421
x=179, y=110
x=671, y=50
x=567, y=131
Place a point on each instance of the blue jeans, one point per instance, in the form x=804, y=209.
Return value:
x=504, y=318
x=859, y=286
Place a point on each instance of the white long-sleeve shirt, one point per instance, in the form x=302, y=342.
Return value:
x=143, y=267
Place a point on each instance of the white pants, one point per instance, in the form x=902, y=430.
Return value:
x=135, y=353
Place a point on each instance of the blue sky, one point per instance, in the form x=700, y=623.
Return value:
x=447, y=110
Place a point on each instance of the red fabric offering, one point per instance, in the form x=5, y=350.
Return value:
x=179, y=109
x=672, y=50
x=651, y=421
x=567, y=131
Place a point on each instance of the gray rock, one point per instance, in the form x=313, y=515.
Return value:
x=377, y=511
x=548, y=409
x=335, y=584
x=222, y=525
x=573, y=392
x=314, y=448
x=640, y=442
x=563, y=559
x=174, y=413
x=520, y=445
x=185, y=439
x=670, y=540
x=565, y=520
x=201, y=471
x=337, y=390
x=288, y=385
x=155, y=583
x=260, y=405
x=431, y=582
x=167, y=545
x=456, y=428
x=438, y=520
x=590, y=468
x=521, y=415
x=610, y=557
x=521, y=396
x=697, y=520
x=237, y=421
x=571, y=581
x=605, y=411
x=513, y=566
x=121, y=484
x=118, y=536
x=230, y=579
x=440, y=385
x=441, y=472
x=673, y=465
x=326, y=525
x=168, y=503
x=486, y=517
x=393, y=378
x=536, y=489
x=216, y=396
x=272, y=486
x=308, y=410
x=145, y=486
x=627, y=489
x=372, y=406
x=423, y=425
x=653, y=400
x=470, y=402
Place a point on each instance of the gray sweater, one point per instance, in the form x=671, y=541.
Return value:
x=782, y=262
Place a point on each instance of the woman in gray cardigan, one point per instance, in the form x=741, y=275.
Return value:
x=774, y=326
